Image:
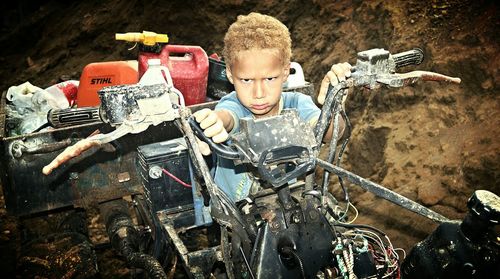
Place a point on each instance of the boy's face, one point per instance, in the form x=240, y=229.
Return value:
x=258, y=76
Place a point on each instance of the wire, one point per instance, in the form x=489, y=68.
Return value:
x=402, y=250
x=345, y=225
x=380, y=255
x=349, y=204
x=176, y=178
x=246, y=263
x=45, y=125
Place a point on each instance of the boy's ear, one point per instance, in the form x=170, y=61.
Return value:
x=229, y=74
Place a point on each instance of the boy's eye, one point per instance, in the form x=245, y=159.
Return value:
x=246, y=80
x=270, y=78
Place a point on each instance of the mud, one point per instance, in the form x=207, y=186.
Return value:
x=433, y=143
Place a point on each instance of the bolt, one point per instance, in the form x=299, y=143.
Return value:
x=73, y=175
x=155, y=172
x=275, y=225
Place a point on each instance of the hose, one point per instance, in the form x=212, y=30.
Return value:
x=124, y=238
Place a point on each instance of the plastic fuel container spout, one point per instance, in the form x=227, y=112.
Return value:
x=188, y=65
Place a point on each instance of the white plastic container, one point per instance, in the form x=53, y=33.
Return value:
x=156, y=74
x=296, y=77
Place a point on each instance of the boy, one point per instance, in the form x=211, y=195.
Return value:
x=257, y=51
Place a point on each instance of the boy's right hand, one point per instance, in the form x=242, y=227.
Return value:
x=338, y=72
x=212, y=126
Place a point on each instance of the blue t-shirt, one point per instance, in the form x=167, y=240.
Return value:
x=236, y=181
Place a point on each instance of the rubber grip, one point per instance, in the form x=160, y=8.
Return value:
x=411, y=57
x=70, y=117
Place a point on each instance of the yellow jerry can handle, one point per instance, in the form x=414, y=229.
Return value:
x=146, y=37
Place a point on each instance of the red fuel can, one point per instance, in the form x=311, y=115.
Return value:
x=188, y=66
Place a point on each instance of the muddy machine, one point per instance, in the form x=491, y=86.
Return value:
x=146, y=151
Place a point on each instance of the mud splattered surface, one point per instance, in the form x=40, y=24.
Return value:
x=433, y=143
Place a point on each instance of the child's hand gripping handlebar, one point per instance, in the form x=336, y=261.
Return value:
x=220, y=149
x=374, y=68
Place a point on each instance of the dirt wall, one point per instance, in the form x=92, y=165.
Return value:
x=434, y=143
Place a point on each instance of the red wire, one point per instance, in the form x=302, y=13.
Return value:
x=176, y=178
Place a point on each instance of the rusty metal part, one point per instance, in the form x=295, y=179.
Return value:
x=198, y=263
x=18, y=148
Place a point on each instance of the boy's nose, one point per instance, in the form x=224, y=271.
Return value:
x=258, y=92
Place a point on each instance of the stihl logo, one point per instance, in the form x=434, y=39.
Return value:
x=100, y=80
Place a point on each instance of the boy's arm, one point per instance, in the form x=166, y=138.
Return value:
x=338, y=72
x=329, y=132
x=226, y=118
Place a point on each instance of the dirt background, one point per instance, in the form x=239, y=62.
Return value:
x=433, y=143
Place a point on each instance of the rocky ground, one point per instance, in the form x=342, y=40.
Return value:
x=433, y=143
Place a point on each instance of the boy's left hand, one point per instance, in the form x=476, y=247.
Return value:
x=338, y=72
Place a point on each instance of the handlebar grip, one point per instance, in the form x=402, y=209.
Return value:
x=411, y=57
x=218, y=148
x=69, y=117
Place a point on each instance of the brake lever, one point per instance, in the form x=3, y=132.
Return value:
x=399, y=80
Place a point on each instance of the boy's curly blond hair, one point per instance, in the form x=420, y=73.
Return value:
x=257, y=31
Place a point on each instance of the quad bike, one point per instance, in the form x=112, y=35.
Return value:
x=292, y=228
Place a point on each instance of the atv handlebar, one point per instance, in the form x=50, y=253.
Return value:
x=376, y=67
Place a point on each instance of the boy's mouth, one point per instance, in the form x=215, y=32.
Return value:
x=260, y=107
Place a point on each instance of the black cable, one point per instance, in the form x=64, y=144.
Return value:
x=333, y=149
x=347, y=138
x=341, y=152
x=47, y=124
x=332, y=227
x=246, y=263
